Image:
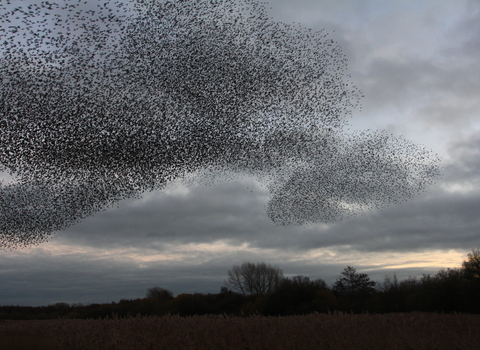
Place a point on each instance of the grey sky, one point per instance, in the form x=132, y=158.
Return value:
x=416, y=63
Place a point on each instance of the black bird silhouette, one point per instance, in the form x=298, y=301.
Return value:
x=102, y=104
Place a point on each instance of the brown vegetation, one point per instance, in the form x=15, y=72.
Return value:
x=315, y=331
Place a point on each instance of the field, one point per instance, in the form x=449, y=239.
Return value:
x=316, y=331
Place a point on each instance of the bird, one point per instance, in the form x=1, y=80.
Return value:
x=115, y=104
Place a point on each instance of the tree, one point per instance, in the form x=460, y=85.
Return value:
x=470, y=288
x=391, y=292
x=471, y=266
x=390, y=283
x=254, y=279
x=353, y=283
x=189, y=304
x=297, y=295
x=159, y=293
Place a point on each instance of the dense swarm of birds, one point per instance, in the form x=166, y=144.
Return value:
x=103, y=101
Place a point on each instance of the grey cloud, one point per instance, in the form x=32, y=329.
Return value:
x=233, y=212
x=439, y=221
x=392, y=82
x=465, y=164
x=468, y=30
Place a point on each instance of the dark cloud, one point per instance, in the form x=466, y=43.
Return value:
x=390, y=81
x=469, y=30
x=233, y=212
x=464, y=167
x=441, y=220
x=72, y=278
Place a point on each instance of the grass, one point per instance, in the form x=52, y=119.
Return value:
x=317, y=331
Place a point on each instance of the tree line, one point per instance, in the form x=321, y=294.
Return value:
x=260, y=288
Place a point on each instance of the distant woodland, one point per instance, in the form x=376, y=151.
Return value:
x=261, y=289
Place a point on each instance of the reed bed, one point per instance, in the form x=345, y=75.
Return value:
x=317, y=331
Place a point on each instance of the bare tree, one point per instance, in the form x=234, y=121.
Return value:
x=254, y=279
x=471, y=266
x=389, y=283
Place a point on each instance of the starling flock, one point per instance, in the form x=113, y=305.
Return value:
x=102, y=101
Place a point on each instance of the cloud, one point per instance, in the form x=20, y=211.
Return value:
x=231, y=214
x=465, y=155
x=469, y=29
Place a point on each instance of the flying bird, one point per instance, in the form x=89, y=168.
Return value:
x=102, y=104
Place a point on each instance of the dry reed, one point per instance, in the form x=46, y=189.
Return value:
x=317, y=331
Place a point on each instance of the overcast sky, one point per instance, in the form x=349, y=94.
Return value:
x=416, y=62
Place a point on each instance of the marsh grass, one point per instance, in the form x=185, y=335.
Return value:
x=27, y=335
x=316, y=331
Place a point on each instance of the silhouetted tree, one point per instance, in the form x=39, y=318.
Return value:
x=159, y=293
x=389, y=283
x=471, y=266
x=470, y=289
x=298, y=295
x=447, y=290
x=254, y=279
x=189, y=304
x=390, y=291
x=351, y=283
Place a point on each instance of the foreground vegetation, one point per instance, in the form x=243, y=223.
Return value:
x=315, y=331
